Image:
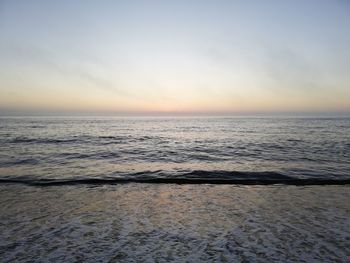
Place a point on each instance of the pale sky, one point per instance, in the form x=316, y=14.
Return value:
x=175, y=56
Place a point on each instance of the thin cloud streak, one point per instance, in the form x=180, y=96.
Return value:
x=39, y=57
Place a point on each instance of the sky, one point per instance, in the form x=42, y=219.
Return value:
x=175, y=56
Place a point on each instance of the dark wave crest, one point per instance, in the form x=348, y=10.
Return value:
x=193, y=177
x=42, y=140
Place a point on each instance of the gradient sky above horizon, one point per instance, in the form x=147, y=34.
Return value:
x=175, y=56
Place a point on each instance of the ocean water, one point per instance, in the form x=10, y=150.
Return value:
x=53, y=150
x=103, y=189
x=174, y=223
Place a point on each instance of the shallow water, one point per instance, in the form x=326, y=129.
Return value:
x=179, y=223
x=71, y=148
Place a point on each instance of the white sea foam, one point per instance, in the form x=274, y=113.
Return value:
x=179, y=223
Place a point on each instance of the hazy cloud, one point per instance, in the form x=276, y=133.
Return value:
x=69, y=68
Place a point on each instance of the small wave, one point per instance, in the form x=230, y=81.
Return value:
x=113, y=138
x=43, y=140
x=150, y=138
x=92, y=156
x=29, y=161
x=294, y=140
x=105, y=140
x=109, y=137
x=193, y=177
x=70, y=156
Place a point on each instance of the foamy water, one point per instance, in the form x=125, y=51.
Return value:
x=176, y=223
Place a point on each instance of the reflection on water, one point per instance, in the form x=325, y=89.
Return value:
x=138, y=222
x=88, y=147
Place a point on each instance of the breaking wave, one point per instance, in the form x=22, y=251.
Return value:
x=193, y=177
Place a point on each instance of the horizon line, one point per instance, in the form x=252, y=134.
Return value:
x=62, y=113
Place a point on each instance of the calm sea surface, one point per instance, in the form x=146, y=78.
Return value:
x=107, y=148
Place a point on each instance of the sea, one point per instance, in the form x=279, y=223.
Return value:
x=70, y=149
x=174, y=189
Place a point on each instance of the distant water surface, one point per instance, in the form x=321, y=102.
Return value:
x=35, y=149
